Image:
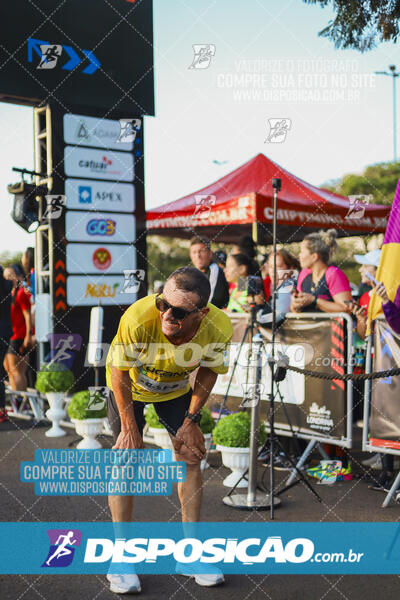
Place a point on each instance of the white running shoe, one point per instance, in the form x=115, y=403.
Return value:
x=203, y=579
x=124, y=584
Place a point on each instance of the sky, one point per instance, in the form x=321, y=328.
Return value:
x=269, y=63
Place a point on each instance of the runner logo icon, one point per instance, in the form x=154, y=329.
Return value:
x=63, y=543
x=50, y=55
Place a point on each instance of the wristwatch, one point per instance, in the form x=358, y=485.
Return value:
x=195, y=417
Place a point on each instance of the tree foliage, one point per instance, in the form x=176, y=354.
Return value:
x=9, y=258
x=379, y=180
x=164, y=255
x=361, y=24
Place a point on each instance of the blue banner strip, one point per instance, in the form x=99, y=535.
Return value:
x=162, y=548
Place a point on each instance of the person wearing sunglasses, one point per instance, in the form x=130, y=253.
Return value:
x=161, y=340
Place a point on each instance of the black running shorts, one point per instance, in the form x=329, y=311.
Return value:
x=170, y=412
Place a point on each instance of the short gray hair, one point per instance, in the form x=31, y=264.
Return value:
x=191, y=279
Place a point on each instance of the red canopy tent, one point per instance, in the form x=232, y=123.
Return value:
x=228, y=208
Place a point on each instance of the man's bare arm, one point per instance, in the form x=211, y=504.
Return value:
x=189, y=438
x=205, y=381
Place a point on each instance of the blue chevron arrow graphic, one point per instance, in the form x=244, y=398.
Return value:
x=94, y=62
x=74, y=59
x=34, y=46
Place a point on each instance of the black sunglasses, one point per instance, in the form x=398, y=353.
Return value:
x=178, y=313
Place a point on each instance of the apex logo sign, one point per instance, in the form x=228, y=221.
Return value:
x=85, y=194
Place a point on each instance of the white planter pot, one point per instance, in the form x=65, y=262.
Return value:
x=236, y=459
x=161, y=437
x=55, y=413
x=207, y=442
x=88, y=429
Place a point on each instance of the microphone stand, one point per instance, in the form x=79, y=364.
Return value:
x=251, y=501
x=276, y=184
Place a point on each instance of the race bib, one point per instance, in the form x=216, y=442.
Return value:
x=160, y=387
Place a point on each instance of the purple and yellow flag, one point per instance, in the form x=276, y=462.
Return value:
x=389, y=264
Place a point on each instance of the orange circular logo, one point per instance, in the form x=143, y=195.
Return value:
x=101, y=259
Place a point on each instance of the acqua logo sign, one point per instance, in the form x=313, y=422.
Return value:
x=101, y=227
x=63, y=543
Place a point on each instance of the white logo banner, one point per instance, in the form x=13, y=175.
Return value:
x=99, y=227
x=98, y=164
x=100, y=258
x=90, y=290
x=94, y=131
x=84, y=194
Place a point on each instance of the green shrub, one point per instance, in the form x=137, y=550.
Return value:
x=54, y=377
x=78, y=407
x=207, y=422
x=233, y=431
x=152, y=418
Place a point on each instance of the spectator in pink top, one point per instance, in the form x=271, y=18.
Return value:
x=320, y=287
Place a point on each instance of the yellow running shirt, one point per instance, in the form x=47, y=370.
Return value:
x=158, y=369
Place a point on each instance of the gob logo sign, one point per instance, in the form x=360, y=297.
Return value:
x=100, y=227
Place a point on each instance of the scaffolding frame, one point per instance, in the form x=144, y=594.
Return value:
x=44, y=247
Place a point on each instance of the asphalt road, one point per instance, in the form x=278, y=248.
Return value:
x=343, y=501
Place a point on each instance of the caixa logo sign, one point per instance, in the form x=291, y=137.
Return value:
x=192, y=550
x=101, y=227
